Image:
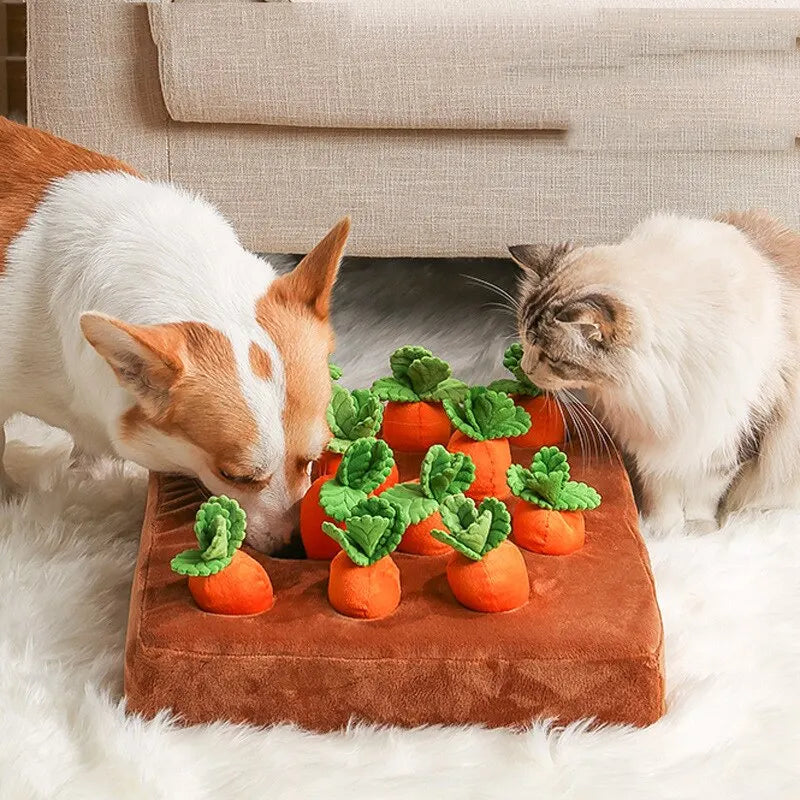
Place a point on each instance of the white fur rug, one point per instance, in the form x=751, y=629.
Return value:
x=731, y=607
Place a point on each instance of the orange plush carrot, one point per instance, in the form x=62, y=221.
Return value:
x=547, y=421
x=484, y=421
x=549, y=517
x=365, y=466
x=364, y=582
x=413, y=419
x=487, y=572
x=442, y=474
x=223, y=579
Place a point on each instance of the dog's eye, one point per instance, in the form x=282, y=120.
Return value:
x=245, y=479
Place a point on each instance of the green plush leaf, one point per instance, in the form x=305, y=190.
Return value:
x=366, y=464
x=352, y=415
x=411, y=497
x=500, y=525
x=549, y=460
x=334, y=371
x=235, y=519
x=517, y=478
x=462, y=418
x=443, y=473
x=506, y=385
x=379, y=506
x=338, y=535
x=512, y=361
x=473, y=532
x=394, y=391
x=372, y=531
x=418, y=375
x=341, y=412
x=366, y=531
x=458, y=513
x=220, y=526
x=549, y=473
x=485, y=414
x=337, y=445
x=546, y=483
x=338, y=500
x=451, y=541
x=448, y=389
x=192, y=563
x=218, y=547
x=427, y=373
x=403, y=357
x=465, y=533
x=369, y=414
x=577, y=497
x=474, y=537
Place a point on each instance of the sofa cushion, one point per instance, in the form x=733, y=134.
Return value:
x=614, y=79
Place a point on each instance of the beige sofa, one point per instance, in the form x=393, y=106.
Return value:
x=444, y=128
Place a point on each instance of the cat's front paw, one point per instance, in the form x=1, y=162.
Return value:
x=664, y=522
x=701, y=527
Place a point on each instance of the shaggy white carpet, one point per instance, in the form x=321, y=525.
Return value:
x=731, y=606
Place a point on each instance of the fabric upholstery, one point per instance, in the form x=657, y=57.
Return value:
x=695, y=113
x=588, y=643
x=449, y=193
x=714, y=81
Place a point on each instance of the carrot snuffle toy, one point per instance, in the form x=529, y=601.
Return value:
x=441, y=475
x=223, y=579
x=487, y=572
x=549, y=517
x=364, y=582
x=484, y=420
x=547, y=422
x=414, y=419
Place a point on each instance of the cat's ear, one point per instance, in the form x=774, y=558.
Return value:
x=598, y=318
x=538, y=260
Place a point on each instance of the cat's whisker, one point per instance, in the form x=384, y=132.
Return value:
x=597, y=435
x=501, y=307
x=594, y=437
x=604, y=436
x=576, y=425
x=495, y=288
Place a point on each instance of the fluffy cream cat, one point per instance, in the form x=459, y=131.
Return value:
x=685, y=337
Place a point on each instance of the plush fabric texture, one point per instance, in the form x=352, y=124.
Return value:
x=547, y=422
x=417, y=539
x=241, y=588
x=370, y=592
x=315, y=543
x=541, y=530
x=588, y=644
x=492, y=459
x=414, y=427
x=498, y=582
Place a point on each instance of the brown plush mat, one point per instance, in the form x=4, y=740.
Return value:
x=588, y=644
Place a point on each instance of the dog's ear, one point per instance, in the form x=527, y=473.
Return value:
x=147, y=359
x=310, y=283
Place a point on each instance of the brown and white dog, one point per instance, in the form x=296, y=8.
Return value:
x=132, y=318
